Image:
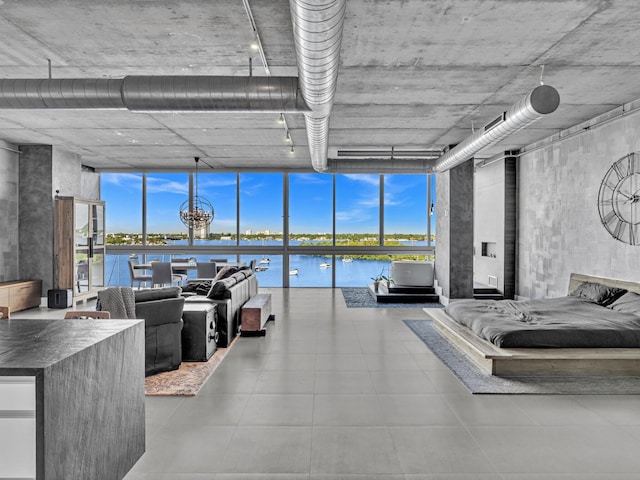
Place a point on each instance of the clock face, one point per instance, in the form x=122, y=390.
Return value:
x=619, y=199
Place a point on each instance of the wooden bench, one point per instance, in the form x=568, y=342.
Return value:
x=255, y=314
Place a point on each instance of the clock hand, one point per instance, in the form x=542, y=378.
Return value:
x=628, y=197
x=632, y=198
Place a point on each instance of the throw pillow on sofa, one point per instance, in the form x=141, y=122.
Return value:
x=226, y=272
x=157, y=294
x=221, y=286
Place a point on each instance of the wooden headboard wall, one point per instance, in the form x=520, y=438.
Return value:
x=577, y=278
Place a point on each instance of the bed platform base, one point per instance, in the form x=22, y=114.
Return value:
x=512, y=362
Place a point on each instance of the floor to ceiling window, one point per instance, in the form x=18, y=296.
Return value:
x=122, y=192
x=166, y=193
x=220, y=189
x=302, y=229
x=357, y=210
x=261, y=208
x=405, y=210
x=310, y=227
x=310, y=209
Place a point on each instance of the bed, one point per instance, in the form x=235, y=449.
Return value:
x=594, y=330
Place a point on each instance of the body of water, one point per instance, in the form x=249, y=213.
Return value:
x=310, y=272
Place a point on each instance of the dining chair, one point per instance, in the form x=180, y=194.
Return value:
x=183, y=272
x=5, y=312
x=206, y=270
x=86, y=314
x=161, y=274
x=136, y=274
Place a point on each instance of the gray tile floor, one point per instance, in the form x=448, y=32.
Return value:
x=334, y=394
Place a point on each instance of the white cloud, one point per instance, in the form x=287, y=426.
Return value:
x=130, y=180
x=373, y=180
x=159, y=185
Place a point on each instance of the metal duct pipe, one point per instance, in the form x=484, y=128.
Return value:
x=317, y=34
x=157, y=93
x=405, y=165
x=541, y=101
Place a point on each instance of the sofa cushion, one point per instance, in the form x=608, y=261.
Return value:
x=159, y=312
x=156, y=294
x=219, y=288
x=226, y=272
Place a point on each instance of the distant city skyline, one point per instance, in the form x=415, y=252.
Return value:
x=310, y=202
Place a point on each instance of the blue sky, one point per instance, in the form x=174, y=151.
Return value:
x=310, y=202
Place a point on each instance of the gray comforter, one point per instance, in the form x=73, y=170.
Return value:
x=565, y=322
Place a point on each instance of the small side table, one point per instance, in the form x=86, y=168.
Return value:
x=256, y=312
x=200, y=333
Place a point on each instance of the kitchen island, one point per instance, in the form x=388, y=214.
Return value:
x=71, y=398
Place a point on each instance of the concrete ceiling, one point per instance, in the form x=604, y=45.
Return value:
x=414, y=74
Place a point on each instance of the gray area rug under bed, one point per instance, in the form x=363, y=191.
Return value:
x=478, y=381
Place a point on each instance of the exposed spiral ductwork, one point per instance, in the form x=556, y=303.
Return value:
x=541, y=101
x=317, y=33
x=157, y=93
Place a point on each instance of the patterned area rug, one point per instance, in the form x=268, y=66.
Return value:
x=361, y=298
x=478, y=381
x=187, y=380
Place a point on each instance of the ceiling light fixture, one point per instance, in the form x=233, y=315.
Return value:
x=199, y=213
x=292, y=150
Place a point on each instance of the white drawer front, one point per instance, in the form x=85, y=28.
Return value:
x=17, y=447
x=17, y=393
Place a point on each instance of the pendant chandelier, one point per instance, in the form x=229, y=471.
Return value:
x=199, y=213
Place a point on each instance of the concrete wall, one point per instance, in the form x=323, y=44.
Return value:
x=454, y=227
x=46, y=171
x=559, y=227
x=9, y=176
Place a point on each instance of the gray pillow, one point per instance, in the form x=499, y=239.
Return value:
x=627, y=303
x=156, y=294
x=597, y=293
x=219, y=288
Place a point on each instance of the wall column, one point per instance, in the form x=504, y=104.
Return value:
x=36, y=214
x=454, y=232
x=46, y=171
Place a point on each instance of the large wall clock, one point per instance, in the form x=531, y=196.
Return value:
x=619, y=199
